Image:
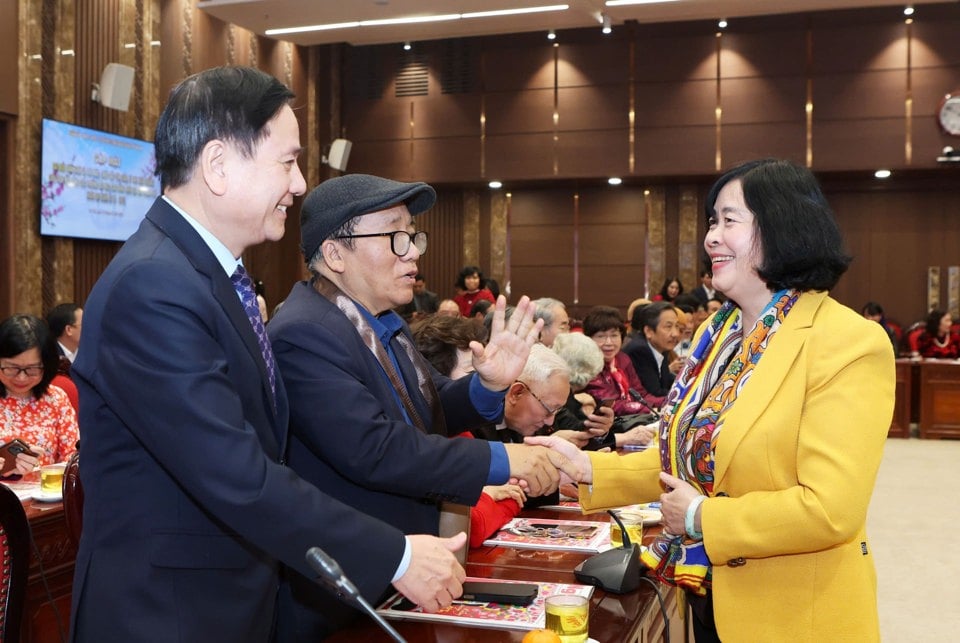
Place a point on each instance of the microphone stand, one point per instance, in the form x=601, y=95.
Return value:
x=332, y=575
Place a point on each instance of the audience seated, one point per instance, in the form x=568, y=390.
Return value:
x=65, y=322
x=480, y=309
x=448, y=308
x=631, y=313
x=618, y=380
x=874, y=312
x=649, y=352
x=669, y=290
x=580, y=420
x=33, y=410
x=471, y=287
x=555, y=319
x=938, y=339
x=445, y=342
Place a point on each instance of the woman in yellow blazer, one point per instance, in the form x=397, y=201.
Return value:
x=773, y=433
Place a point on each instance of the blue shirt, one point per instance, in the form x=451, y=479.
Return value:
x=489, y=404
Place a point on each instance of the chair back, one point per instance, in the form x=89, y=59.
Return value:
x=73, y=498
x=15, y=560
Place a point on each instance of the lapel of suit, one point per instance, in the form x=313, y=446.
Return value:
x=203, y=260
x=779, y=357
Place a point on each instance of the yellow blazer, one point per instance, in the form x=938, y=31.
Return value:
x=794, y=471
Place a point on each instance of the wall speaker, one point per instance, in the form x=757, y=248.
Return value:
x=339, y=154
x=116, y=84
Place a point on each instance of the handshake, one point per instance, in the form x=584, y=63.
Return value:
x=540, y=470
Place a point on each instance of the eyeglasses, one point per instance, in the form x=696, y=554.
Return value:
x=29, y=371
x=601, y=338
x=546, y=408
x=399, y=240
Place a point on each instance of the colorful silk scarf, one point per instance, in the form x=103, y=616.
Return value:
x=708, y=384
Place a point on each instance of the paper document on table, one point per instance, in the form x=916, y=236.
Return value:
x=545, y=533
x=493, y=615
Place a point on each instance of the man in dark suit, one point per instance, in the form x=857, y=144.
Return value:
x=65, y=322
x=648, y=350
x=424, y=301
x=705, y=291
x=189, y=508
x=369, y=416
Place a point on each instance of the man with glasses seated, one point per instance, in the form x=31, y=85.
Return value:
x=369, y=417
x=531, y=405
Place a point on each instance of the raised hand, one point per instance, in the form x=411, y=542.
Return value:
x=500, y=362
x=434, y=577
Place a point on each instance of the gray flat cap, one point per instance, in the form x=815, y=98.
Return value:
x=337, y=200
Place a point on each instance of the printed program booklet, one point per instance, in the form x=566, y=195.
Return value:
x=546, y=533
x=493, y=615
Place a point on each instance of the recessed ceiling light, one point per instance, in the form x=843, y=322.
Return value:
x=495, y=185
x=908, y=10
x=551, y=35
x=722, y=24
x=614, y=180
x=882, y=174
x=407, y=46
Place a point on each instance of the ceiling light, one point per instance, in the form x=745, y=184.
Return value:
x=551, y=35
x=495, y=185
x=614, y=180
x=513, y=12
x=415, y=19
x=882, y=174
x=627, y=3
x=407, y=46
x=723, y=23
x=605, y=19
x=908, y=10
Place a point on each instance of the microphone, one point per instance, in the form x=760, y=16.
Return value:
x=332, y=575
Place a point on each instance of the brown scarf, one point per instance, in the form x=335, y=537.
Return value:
x=424, y=382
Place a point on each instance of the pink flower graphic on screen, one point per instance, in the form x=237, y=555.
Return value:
x=50, y=191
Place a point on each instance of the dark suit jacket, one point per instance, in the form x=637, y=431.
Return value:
x=426, y=302
x=657, y=381
x=349, y=435
x=188, y=505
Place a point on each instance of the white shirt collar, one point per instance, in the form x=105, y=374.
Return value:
x=69, y=354
x=224, y=257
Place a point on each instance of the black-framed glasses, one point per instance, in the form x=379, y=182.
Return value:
x=29, y=371
x=546, y=408
x=399, y=241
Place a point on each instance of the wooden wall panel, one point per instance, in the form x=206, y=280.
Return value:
x=781, y=140
x=764, y=100
x=9, y=57
x=547, y=245
x=542, y=207
x=507, y=66
x=863, y=96
x=855, y=48
x=520, y=111
x=444, y=257
x=771, y=50
x=676, y=103
x=520, y=155
x=370, y=120
x=673, y=151
x=603, y=61
x=453, y=115
x=593, y=107
x=594, y=153
x=447, y=160
x=843, y=144
x=667, y=58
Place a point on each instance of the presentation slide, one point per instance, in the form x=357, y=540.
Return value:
x=93, y=184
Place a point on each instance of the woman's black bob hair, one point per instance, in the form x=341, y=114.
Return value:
x=801, y=244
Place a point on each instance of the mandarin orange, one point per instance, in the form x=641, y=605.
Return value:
x=541, y=636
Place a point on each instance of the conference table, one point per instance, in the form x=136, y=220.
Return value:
x=46, y=614
x=928, y=394
x=633, y=617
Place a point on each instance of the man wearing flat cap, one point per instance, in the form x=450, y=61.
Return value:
x=369, y=417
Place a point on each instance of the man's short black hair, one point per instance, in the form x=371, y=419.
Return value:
x=61, y=316
x=228, y=103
